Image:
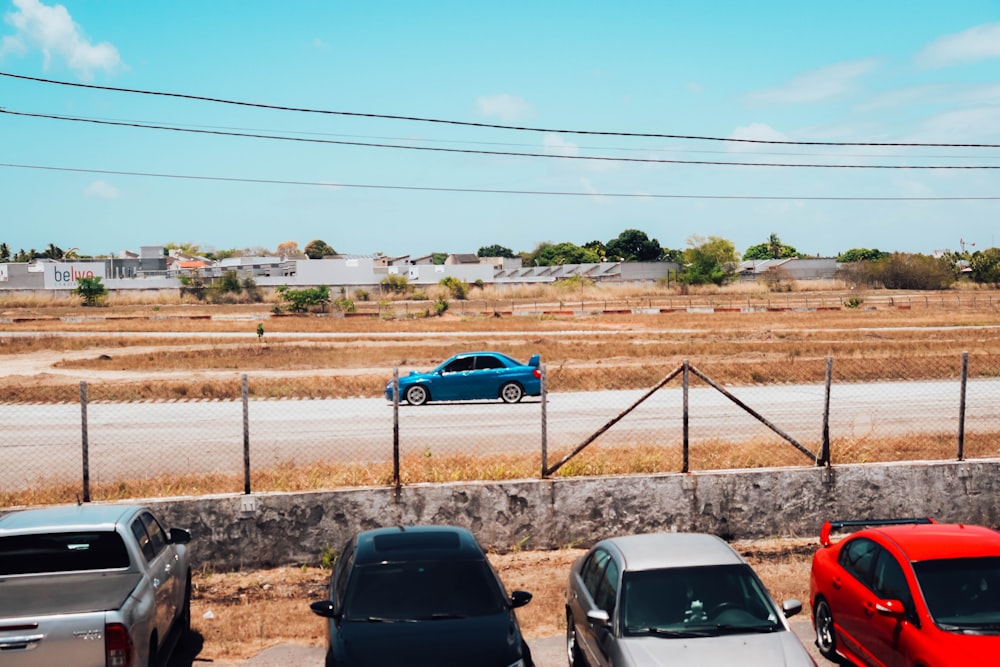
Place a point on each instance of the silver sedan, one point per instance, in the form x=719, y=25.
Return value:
x=675, y=599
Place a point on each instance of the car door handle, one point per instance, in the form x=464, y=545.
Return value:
x=869, y=608
x=836, y=582
x=23, y=642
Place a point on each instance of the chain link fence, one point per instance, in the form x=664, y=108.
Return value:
x=800, y=412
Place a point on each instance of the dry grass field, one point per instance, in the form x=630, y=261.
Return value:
x=169, y=349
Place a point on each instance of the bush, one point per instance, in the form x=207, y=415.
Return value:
x=303, y=300
x=91, y=290
x=459, y=289
x=395, y=283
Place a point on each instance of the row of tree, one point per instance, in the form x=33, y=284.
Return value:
x=711, y=260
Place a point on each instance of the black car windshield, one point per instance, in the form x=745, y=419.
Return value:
x=696, y=601
x=422, y=590
x=962, y=593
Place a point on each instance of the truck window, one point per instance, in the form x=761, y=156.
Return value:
x=62, y=552
x=156, y=536
x=142, y=539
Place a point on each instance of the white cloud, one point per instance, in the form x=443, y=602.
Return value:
x=507, y=108
x=53, y=32
x=102, y=190
x=556, y=145
x=754, y=132
x=981, y=42
x=818, y=85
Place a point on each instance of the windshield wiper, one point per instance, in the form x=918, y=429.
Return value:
x=441, y=616
x=677, y=634
x=972, y=628
x=736, y=629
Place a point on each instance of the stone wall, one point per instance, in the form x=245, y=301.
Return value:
x=267, y=529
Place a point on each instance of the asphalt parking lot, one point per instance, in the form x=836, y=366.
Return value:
x=547, y=651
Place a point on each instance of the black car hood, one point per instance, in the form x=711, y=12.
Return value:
x=483, y=641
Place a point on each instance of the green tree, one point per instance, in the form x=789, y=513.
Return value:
x=913, y=271
x=495, y=251
x=439, y=258
x=712, y=260
x=186, y=248
x=318, y=249
x=985, y=266
x=458, y=288
x=91, y=290
x=772, y=249
x=861, y=255
x=303, y=300
x=597, y=247
x=632, y=245
x=229, y=283
x=564, y=253
x=395, y=283
x=53, y=252
x=4, y=252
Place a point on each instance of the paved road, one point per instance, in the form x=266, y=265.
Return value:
x=187, y=437
x=547, y=652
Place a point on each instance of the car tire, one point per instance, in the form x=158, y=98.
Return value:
x=417, y=395
x=826, y=638
x=511, y=392
x=573, y=655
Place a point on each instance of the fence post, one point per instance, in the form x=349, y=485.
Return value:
x=246, y=434
x=395, y=428
x=545, y=422
x=961, y=408
x=85, y=441
x=824, y=457
x=684, y=466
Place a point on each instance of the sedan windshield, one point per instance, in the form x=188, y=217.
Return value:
x=962, y=593
x=696, y=602
x=422, y=590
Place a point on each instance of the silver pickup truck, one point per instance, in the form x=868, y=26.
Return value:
x=91, y=586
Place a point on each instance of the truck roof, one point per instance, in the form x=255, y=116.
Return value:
x=65, y=518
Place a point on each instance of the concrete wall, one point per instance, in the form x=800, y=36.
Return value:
x=235, y=531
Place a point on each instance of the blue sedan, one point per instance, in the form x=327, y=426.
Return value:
x=472, y=375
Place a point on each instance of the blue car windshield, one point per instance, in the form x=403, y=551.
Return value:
x=696, y=601
x=423, y=590
x=963, y=593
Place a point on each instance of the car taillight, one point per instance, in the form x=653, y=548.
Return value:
x=537, y=373
x=117, y=645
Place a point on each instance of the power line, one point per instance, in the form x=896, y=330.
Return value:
x=419, y=119
x=470, y=151
x=268, y=181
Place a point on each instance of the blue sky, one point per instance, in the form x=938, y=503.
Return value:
x=856, y=71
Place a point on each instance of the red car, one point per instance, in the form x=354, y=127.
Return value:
x=908, y=593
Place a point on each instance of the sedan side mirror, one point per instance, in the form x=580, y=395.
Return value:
x=519, y=599
x=325, y=609
x=890, y=608
x=599, y=617
x=791, y=607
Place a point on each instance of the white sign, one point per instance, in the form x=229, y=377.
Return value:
x=3, y=273
x=63, y=275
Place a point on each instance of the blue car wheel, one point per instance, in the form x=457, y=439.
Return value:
x=417, y=395
x=511, y=392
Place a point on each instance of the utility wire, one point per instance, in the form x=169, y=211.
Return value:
x=268, y=181
x=484, y=125
x=485, y=152
x=624, y=149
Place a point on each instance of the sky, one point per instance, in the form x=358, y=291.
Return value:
x=445, y=126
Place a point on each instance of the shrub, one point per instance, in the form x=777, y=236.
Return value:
x=395, y=283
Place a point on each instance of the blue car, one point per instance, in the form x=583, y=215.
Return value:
x=472, y=375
